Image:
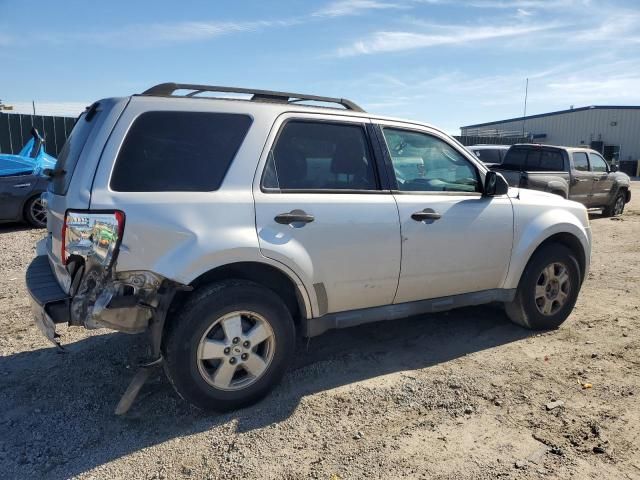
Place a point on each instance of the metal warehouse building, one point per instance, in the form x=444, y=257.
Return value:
x=612, y=130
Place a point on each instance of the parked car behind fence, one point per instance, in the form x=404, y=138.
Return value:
x=22, y=180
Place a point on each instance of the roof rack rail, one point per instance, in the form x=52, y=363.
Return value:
x=167, y=89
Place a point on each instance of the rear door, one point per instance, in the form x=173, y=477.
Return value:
x=321, y=210
x=581, y=179
x=454, y=240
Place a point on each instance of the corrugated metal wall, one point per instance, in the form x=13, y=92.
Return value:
x=15, y=128
x=468, y=141
x=581, y=127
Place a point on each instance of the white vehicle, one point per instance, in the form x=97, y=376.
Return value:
x=226, y=227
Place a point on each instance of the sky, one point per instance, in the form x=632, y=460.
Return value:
x=445, y=62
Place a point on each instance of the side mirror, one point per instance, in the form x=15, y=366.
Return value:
x=613, y=168
x=495, y=184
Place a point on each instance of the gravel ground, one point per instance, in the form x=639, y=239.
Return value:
x=459, y=395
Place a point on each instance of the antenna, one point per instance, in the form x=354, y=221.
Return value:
x=524, y=114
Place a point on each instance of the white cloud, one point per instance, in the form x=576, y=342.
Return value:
x=342, y=8
x=380, y=42
x=149, y=35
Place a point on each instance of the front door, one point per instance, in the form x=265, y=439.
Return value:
x=581, y=179
x=321, y=211
x=14, y=190
x=602, y=181
x=454, y=240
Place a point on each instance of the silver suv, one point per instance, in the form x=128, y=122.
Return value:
x=226, y=227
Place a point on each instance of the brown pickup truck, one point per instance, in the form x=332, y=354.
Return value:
x=579, y=174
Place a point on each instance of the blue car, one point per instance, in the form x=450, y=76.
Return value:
x=22, y=180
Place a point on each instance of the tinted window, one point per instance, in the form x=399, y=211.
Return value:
x=422, y=163
x=515, y=159
x=178, y=151
x=320, y=156
x=488, y=155
x=597, y=163
x=70, y=153
x=551, y=160
x=580, y=161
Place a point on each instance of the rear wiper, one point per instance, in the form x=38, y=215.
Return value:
x=53, y=173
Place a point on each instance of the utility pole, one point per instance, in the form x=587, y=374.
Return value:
x=33, y=104
x=524, y=114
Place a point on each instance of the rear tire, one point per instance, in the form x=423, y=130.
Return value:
x=617, y=206
x=35, y=213
x=229, y=346
x=548, y=289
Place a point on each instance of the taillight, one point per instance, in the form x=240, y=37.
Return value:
x=95, y=234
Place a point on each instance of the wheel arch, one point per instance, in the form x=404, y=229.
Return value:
x=572, y=243
x=289, y=289
x=574, y=236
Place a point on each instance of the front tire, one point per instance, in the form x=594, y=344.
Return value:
x=548, y=289
x=617, y=206
x=35, y=212
x=230, y=345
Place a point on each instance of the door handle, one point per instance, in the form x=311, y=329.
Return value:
x=426, y=214
x=22, y=185
x=294, y=216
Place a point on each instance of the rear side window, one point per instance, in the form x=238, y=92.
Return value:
x=178, y=151
x=550, y=161
x=70, y=153
x=515, y=159
x=320, y=156
x=580, y=161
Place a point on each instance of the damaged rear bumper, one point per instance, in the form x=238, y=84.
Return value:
x=125, y=302
x=49, y=303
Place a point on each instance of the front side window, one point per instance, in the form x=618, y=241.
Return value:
x=320, y=156
x=424, y=163
x=580, y=161
x=178, y=151
x=597, y=163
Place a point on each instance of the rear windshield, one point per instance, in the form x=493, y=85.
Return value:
x=178, y=151
x=70, y=153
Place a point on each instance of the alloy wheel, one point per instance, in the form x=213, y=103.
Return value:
x=618, y=208
x=38, y=213
x=236, y=350
x=552, y=288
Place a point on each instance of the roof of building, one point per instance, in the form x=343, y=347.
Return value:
x=571, y=110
